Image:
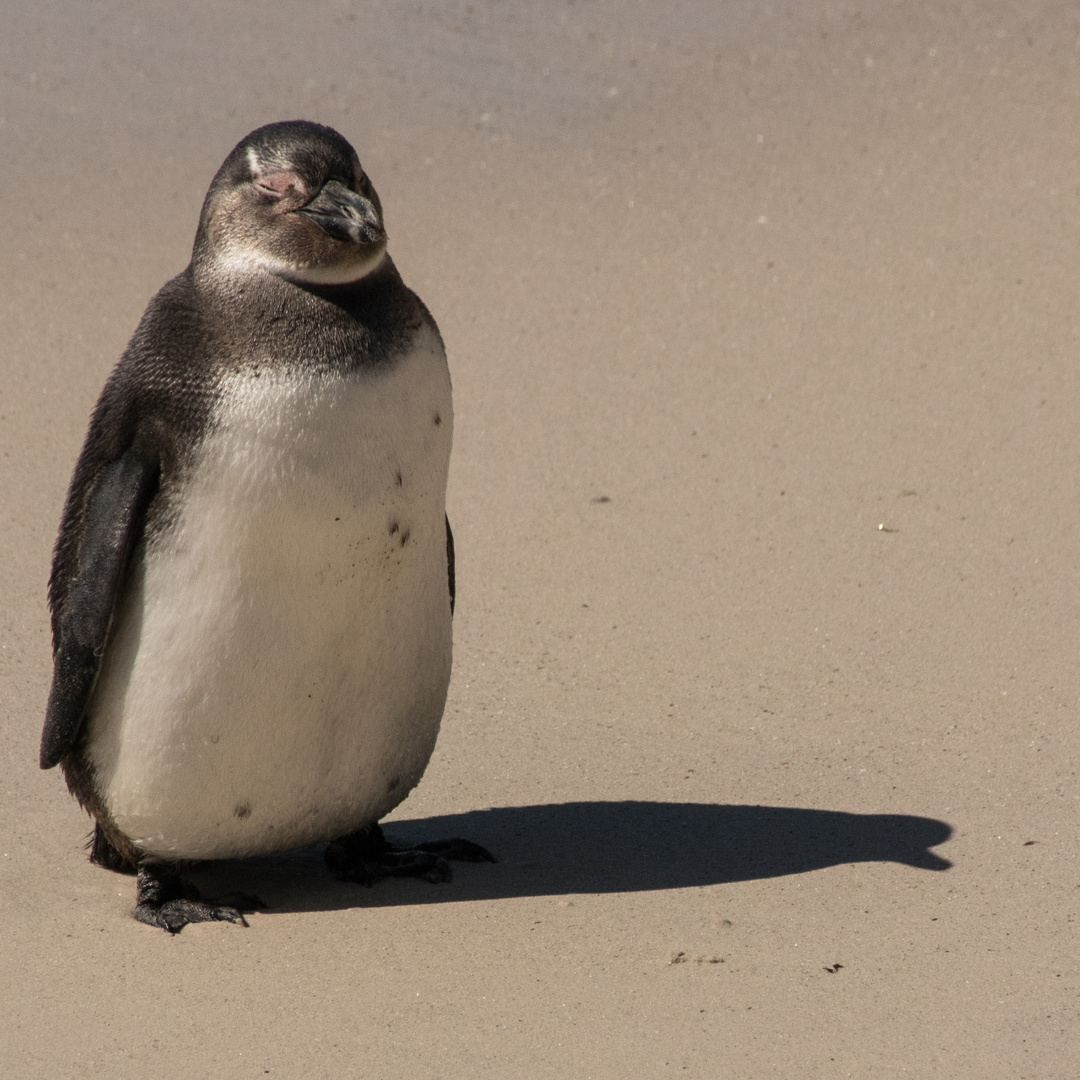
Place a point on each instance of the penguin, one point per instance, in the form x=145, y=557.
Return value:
x=253, y=582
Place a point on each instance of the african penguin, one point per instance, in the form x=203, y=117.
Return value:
x=253, y=582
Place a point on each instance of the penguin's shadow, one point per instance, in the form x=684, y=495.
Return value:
x=597, y=847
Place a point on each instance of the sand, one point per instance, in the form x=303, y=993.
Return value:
x=763, y=327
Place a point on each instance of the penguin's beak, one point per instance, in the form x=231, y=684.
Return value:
x=345, y=215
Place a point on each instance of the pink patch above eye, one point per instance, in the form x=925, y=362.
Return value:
x=278, y=184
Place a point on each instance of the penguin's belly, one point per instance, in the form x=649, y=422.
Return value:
x=279, y=664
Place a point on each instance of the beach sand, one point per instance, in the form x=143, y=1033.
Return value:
x=763, y=330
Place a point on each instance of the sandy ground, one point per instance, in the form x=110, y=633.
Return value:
x=763, y=327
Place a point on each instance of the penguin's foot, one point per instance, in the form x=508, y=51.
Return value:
x=165, y=901
x=366, y=856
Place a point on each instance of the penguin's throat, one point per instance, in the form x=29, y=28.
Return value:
x=364, y=261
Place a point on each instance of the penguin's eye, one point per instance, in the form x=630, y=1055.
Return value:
x=276, y=185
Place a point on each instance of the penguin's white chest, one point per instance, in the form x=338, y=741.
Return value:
x=280, y=661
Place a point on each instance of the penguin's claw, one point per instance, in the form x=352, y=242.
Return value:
x=457, y=849
x=165, y=902
x=366, y=856
x=367, y=867
x=418, y=864
x=174, y=915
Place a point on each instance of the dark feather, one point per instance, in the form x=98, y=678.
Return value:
x=450, y=564
x=112, y=525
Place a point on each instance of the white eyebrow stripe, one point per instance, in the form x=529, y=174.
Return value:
x=253, y=160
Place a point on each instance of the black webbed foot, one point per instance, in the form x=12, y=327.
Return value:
x=165, y=901
x=457, y=849
x=366, y=856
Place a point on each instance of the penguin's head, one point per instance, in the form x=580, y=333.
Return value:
x=292, y=200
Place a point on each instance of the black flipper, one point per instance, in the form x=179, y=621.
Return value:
x=112, y=526
x=450, y=564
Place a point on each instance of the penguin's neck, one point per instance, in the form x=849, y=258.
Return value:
x=236, y=268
